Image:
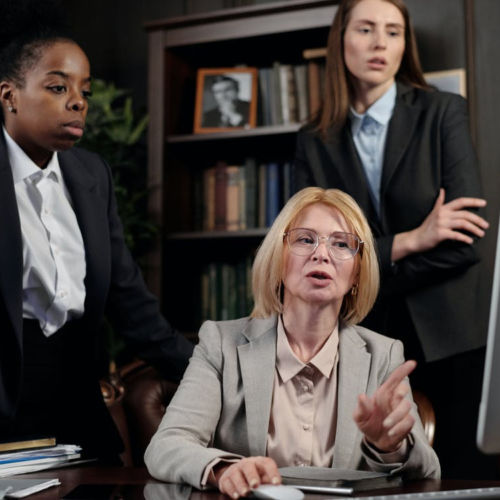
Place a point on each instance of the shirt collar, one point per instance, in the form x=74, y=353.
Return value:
x=381, y=110
x=23, y=166
x=288, y=365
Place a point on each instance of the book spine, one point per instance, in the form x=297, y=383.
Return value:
x=276, y=83
x=241, y=285
x=265, y=92
x=209, y=199
x=205, y=294
x=242, y=191
x=300, y=72
x=272, y=193
x=285, y=94
x=313, y=77
x=198, y=201
x=262, y=195
x=287, y=182
x=232, y=222
x=220, y=196
x=251, y=193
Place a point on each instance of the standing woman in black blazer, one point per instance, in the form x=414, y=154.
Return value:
x=404, y=152
x=63, y=259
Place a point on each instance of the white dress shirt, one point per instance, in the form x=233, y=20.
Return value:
x=54, y=264
x=369, y=132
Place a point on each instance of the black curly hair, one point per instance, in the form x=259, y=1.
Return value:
x=27, y=28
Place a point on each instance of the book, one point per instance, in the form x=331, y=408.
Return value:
x=316, y=53
x=277, y=111
x=251, y=193
x=314, y=85
x=220, y=196
x=27, y=443
x=265, y=96
x=273, y=188
x=232, y=218
x=20, y=488
x=335, y=481
x=242, y=192
x=209, y=199
x=261, y=204
x=300, y=73
x=286, y=93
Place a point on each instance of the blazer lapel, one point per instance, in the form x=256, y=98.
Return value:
x=347, y=173
x=352, y=382
x=91, y=213
x=257, y=359
x=401, y=130
x=11, y=246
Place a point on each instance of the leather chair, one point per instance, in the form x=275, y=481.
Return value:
x=137, y=397
x=427, y=415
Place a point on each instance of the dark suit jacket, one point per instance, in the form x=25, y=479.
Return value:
x=213, y=117
x=428, y=147
x=113, y=285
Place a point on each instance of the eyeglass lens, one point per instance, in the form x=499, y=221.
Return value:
x=341, y=245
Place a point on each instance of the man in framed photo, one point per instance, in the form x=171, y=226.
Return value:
x=231, y=111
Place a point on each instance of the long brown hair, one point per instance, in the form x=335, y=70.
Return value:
x=338, y=91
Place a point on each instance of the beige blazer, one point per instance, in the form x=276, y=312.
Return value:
x=223, y=405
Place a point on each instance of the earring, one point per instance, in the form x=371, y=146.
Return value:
x=354, y=290
x=11, y=109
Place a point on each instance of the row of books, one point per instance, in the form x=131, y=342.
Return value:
x=239, y=197
x=226, y=290
x=290, y=93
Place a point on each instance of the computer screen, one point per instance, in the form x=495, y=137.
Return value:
x=488, y=429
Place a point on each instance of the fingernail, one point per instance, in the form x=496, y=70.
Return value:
x=388, y=422
x=391, y=432
x=275, y=480
x=244, y=491
x=254, y=483
x=235, y=495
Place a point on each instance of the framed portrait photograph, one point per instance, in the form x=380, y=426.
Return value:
x=226, y=99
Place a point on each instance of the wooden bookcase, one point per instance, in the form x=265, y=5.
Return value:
x=252, y=36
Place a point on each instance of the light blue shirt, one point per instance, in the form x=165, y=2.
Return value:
x=369, y=132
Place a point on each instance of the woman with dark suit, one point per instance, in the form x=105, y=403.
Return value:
x=298, y=383
x=63, y=259
x=404, y=152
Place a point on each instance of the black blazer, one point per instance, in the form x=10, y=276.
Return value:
x=428, y=147
x=114, y=285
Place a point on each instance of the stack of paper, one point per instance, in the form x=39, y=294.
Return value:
x=23, y=462
x=20, y=488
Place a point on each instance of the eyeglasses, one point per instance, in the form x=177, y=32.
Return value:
x=342, y=246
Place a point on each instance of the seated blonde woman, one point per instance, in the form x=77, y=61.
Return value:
x=298, y=382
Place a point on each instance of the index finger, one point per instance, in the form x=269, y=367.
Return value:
x=399, y=374
x=268, y=470
x=463, y=202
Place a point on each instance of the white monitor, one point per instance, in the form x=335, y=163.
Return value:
x=488, y=429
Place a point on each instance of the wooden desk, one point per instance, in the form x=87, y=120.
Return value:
x=137, y=484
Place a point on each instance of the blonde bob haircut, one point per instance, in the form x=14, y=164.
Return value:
x=267, y=272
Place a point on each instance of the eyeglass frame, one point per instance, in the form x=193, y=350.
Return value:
x=328, y=244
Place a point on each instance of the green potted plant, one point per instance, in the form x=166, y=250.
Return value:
x=113, y=132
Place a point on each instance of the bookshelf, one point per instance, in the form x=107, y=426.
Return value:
x=255, y=36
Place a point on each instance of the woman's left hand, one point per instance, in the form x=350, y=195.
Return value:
x=385, y=418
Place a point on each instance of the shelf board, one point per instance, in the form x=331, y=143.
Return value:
x=204, y=235
x=236, y=134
